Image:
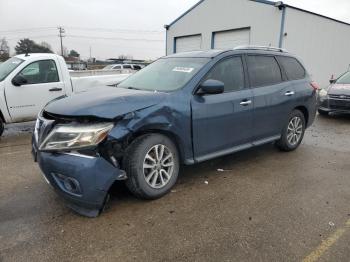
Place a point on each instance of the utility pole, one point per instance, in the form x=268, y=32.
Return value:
x=61, y=32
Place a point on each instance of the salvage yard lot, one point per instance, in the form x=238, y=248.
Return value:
x=265, y=206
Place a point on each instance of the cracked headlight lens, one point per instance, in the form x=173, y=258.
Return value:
x=75, y=136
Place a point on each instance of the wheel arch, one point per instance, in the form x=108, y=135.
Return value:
x=171, y=135
x=2, y=117
x=305, y=112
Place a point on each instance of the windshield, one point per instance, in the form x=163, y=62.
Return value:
x=167, y=74
x=7, y=67
x=344, y=79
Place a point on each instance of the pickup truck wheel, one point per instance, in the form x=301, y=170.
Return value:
x=152, y=165
x=2, y=127
x=293, y=132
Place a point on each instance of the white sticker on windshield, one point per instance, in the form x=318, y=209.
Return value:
x=183, y=69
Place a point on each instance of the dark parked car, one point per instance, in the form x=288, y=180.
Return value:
x=182, y=109
x=335, y=98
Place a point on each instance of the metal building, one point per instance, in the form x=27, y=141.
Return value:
x=320, y=41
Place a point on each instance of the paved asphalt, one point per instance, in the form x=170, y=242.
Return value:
x=265, y=206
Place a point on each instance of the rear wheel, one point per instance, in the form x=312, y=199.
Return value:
x=323, y=113
x=293, y=132
x=152, y=165
x=2, y=127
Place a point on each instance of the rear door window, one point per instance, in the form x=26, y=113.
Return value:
x=294, y=70
x=263, y=70
x=230, y=72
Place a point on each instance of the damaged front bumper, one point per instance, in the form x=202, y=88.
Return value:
x=83, y=181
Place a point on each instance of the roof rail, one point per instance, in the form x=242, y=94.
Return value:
x=256, y=47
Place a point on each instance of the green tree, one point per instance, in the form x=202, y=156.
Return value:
x=27, y=45
x=73, y=53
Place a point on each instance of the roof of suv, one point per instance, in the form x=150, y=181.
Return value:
x=215, y=52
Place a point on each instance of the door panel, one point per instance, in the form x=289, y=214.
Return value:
x=220, y=122
x=271, y=109
x=223, y=121
x=43, y=85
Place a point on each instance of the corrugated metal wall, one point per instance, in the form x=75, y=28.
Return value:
x=323, y=44
x=220, y=15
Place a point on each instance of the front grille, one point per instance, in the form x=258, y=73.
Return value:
x=339, y=104
x=343, y=97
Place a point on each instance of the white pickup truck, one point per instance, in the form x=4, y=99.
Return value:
x=29, y=82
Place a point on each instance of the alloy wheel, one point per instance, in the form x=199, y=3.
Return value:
x=295, y=130
x=158, y=166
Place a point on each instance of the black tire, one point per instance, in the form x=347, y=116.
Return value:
x=2, y=127
x=323, y=113
x=284, y=143
x=133, y=164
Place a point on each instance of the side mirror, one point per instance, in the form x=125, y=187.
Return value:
x=332, y=81
x=211, y=87
x=19, y=80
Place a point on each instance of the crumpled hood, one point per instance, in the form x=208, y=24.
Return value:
x=109, y=103
x=339, y=89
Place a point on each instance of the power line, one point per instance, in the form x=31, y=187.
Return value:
x=98, y=29
x=38, y=36
x=115, y=30
x=116, y=38
x=27, y=29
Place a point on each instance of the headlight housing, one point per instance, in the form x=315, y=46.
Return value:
x=323, y=94
x=75, y=136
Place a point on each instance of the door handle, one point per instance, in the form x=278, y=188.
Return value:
x=246, y=102
x=290, y=93
x=55, y=89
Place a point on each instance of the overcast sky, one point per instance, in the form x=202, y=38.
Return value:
x=108, y=25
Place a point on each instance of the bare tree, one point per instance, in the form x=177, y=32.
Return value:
x=4, y=50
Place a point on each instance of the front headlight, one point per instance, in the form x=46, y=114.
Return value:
x=323, y=93
x=75, y=136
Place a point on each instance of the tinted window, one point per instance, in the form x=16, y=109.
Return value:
x=127, y=67
x=293, y=68
x=230, y=72
x=263, y=71
x=117, y=67
x=44, y=71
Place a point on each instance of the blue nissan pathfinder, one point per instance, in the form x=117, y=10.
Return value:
x=182, y=109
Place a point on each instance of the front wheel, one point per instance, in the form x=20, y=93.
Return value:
x=2, y=127
x=293, y=132
x=152, y=165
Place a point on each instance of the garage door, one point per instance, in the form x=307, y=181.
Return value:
x=188, y=43
x=231, y=39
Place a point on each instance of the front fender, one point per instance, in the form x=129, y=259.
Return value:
x=157, y=119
